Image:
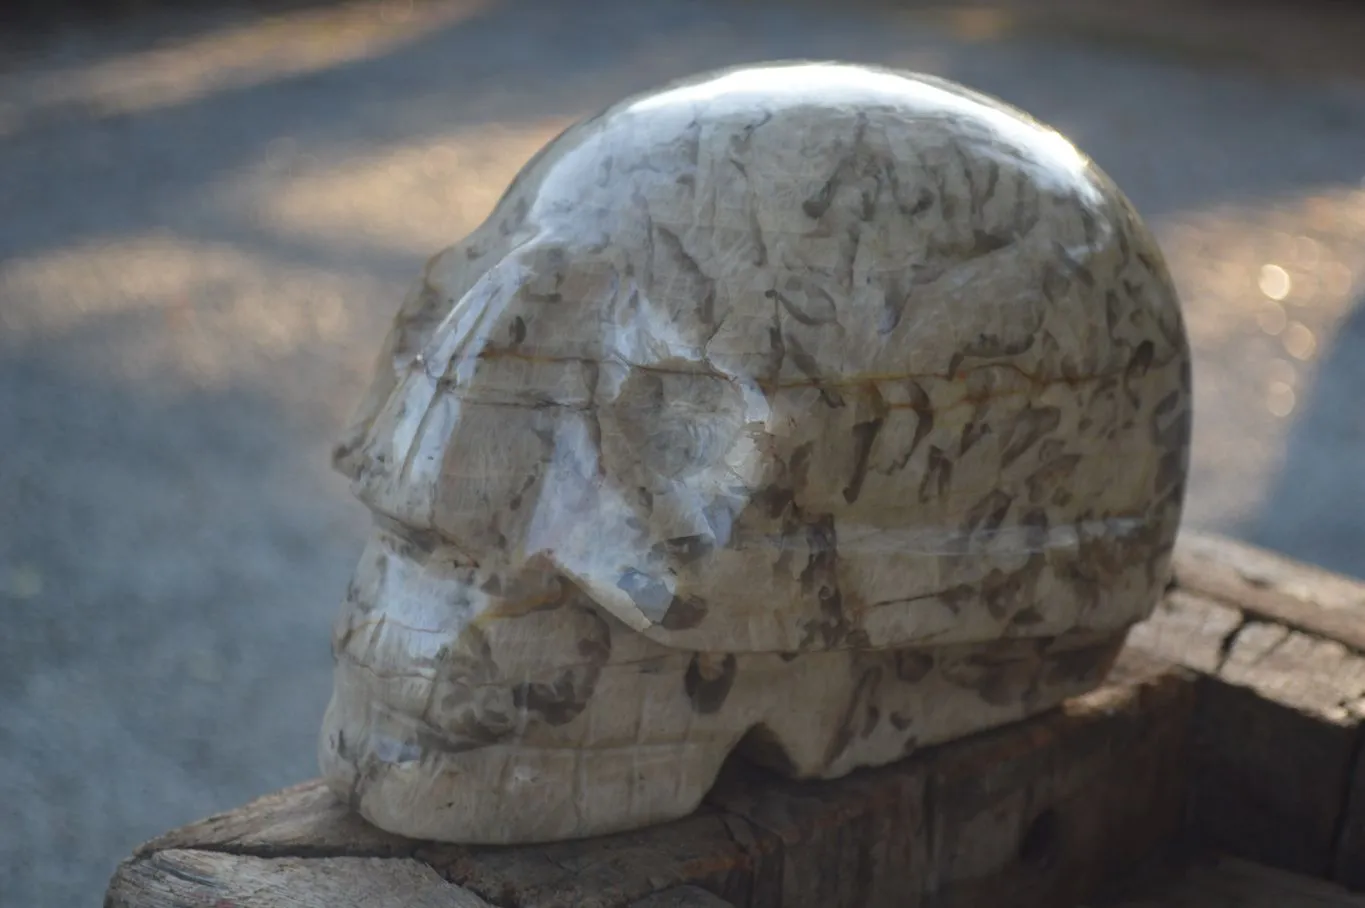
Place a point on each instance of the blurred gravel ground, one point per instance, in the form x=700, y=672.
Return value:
x=206, y=218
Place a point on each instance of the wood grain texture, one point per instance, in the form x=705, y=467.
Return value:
x=682, y=897
x=180, y=878
x=702, y=850
x=1271, y=587
x=303, y=820
x=1278, y=774
x=1049, y=824
x=1273, y=745
x=1231, y=883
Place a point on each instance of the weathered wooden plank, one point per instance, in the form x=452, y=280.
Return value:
x=189, y=878
x=682, y=897
x=300, y=821
x=1273, y=746
x=1046, y=818
x=1278, y=773
x=1319, y=677
x=861, y=840
x=609, y=871
x=1187, y=630
x=1265, y=585
x=956, y=825
x=1231, y=883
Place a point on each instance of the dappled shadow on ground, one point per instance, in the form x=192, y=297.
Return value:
x=199, y=255
x=34, y=27
x=502, y=61
x=168, y=561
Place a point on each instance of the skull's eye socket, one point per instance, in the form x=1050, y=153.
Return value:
x=676, y=423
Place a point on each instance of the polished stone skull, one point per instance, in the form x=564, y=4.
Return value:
x=814, y=410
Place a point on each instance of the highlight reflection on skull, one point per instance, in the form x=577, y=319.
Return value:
x=814, y=410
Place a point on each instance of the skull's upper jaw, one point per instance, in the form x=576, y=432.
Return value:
x=556, y=722
x=468, y=710
x=463, y=711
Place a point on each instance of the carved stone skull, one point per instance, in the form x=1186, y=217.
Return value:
x=814, y=410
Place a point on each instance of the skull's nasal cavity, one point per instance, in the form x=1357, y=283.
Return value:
x=677, y=420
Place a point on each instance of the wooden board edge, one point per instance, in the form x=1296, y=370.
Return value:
x=1271, y=587
x=1280, y=645
x=179, y=877
x=1220, y=880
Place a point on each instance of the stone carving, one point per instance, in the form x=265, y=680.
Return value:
x=814, y=410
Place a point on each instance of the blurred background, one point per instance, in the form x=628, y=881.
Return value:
x=208, y=212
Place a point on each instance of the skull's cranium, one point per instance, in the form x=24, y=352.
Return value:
x=813, y=409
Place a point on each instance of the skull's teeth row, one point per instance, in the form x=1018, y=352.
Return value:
x=472, y=750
